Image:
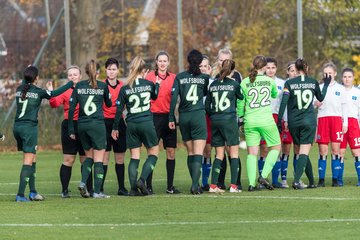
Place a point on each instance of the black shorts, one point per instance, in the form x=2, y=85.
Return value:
x=119, y=145
x=169, y=136
x=26, y=135
x=303, y=134
x=70, y=146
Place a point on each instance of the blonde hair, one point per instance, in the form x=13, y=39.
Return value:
x=90, y=70
x=73, y=67
x=136, y=67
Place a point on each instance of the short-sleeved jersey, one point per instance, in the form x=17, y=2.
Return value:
x=332, y=104
x=27, y=110
x=191, y=90
x=162, y=103
x=110, y=112
x=90, y=102
x=301, y=91
x=257, y=101
x=275, y=102
x=137, y=101
x=221, y=99
x=353, y=102
x=63, y=99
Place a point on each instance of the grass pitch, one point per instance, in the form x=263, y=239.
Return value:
x=326, y=213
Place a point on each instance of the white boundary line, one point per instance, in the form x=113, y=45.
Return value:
x=331, y=220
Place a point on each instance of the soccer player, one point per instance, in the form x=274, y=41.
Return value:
x=28, y=101
x=136, y=95
x=90, y=95
x=205, y=68
x=259, y=122
x=119, y=146
x=221, y=106
x=332, y=124
x=160, y=109
x=191, y=85
x=353, y=134
x=298, y=96
x=70, y=147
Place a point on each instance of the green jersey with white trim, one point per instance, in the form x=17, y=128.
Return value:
x=257, y=104
x=191, y=90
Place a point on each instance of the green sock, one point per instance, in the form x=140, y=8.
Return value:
x=87, y=166
x=148, y=167
x=215, y=171
x=32, y=178
x=309, y=171
x=133, y=172
x=234, y=168
x=189, y=163
x=251, y=169
x=24, y=179
x=300, y=167
x=98, y=176
x=270, y=161
x=196, y=170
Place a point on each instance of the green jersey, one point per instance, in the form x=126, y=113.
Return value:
x=221, y=99
x=298, y=96
x=256, y=106
x=191, y=90
x=137, y=101
x=27, y=109
x=90, y=102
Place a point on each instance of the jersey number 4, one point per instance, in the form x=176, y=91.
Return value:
x=191, y=95
x=304, y=98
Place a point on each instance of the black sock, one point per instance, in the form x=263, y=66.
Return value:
x=120, y=174
x=149, y=180
x=238, y=181
x=170, y=169
x=309, y=172
x=105, y=167
x=65, y=176
x=221, y=179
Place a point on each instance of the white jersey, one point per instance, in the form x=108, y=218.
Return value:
x=334, y=104
x=275, y=102
x=353, y=102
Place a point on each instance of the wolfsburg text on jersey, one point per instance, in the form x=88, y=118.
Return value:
x=86, y=91
x=138, y=89
x=28, y=95
x=258, y=84
x=302, y=85
x=192, y=80
x=222, y=88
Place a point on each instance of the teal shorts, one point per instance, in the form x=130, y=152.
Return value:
x=141, y=132
x=224, y=132
x=92, y=135
x=193, y=125
x=26, y=136
x=269, y=133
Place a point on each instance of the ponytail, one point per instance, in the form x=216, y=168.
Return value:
x=227, y=67
x=253, y=74
x=30, y=74
x=258, y=63
x=91, y=70
x=136, y=67
x=194, y=59
x=301, y=65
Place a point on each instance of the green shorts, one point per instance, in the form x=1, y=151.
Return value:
x=26, y=136
x=269, y=133
x=303, y=134
x=224, y=132
x=141, y=132
x=193, y=125
x=92, y=135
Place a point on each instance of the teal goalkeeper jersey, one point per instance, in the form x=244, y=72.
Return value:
x=221, y=99
x=191, y=90
x=256, y=106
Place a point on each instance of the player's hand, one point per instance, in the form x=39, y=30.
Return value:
x=49, y=86
x=279, y=126
x=240, y=121
x=317, y=103
x=172, y=125
x=72, y=136
x=2, y=138
x=286, y=126
x=115, y=134
x=344, y=129
x=327, y=79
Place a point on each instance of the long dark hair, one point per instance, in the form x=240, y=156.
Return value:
x=30, y=74
x=194, y=59
x=90, y=70
x=258, y=63
x=301, y=65
x=228, y=66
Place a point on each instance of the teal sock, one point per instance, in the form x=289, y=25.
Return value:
x=24, y=179
x=300, y=167
x=148, y=167
x=215, y=171
x=133, y=172
x=234, y=167
x=189, y=164
x=87, y=166
x=270, y=161
x=309, y=172
x=98, y=176
x=32, y=178
x=196, y=171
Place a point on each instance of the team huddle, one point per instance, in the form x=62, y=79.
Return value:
x=213, y=103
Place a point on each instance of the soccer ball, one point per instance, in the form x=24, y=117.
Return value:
x=242, y=145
